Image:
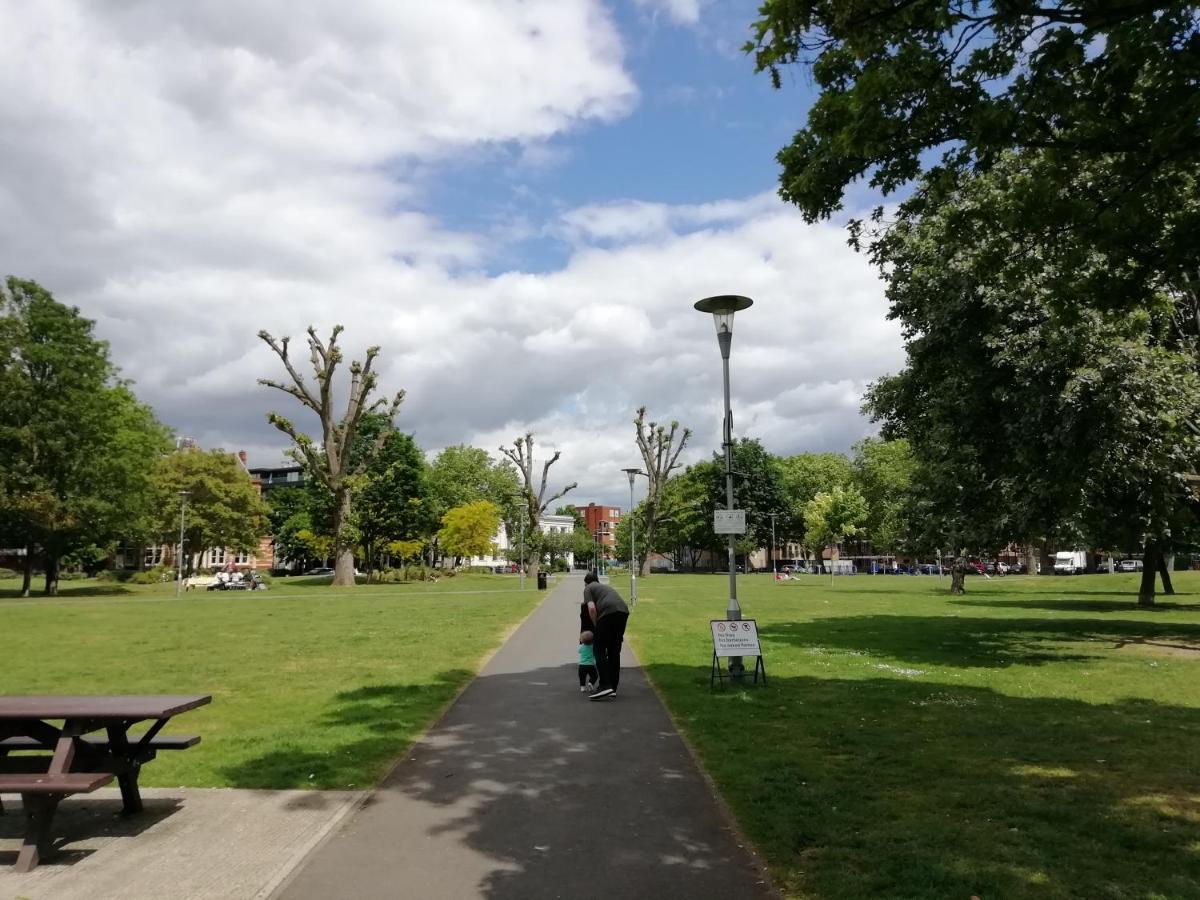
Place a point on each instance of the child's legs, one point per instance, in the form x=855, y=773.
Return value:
x=584, y=673
x=592, y=674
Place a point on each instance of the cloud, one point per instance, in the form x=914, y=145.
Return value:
x=685, y=12
x=190, y=173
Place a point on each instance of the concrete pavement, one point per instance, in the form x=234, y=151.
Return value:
x=525, y=789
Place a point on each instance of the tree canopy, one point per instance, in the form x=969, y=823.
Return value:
x=470, y=530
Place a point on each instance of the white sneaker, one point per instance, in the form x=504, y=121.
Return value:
x=583, y=689
x=601, y=694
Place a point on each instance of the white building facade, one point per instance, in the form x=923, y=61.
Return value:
x=500, y=559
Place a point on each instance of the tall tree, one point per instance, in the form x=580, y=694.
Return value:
x=330, y=461
x=1034, y=419
x=758, y=489
x=660, y=448
x=883, y=473
x=833, y=516
x=392, y=500
x=462, y=474
x=470, y=530
x=945, y=87
x=803, y=476
x=536, y=502
x=224, y=509
x=76, y=445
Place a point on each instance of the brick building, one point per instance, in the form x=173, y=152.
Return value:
x=602, y=522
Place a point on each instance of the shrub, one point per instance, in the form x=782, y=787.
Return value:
x=153, y=576
x=559, y=565
x=119, y=575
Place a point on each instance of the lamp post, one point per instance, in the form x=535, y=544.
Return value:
x=722, y=309
x=521, y=551
x=774, y=570
x=183, y=495
x=632, y=473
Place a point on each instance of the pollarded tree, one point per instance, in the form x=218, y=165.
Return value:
x=470, y=530
x=833, y=516
x=660, y=449
x=330, y=460
x=535, y=501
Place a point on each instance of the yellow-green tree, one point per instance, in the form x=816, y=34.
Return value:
x=470, y=529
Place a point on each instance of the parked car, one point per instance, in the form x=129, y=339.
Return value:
x=929, y=569
x=1070, y=562
x=1017, y=569
x=977, y=567
x=320, y=570
x=1129, y=565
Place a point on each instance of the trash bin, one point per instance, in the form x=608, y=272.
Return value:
x=541, y=581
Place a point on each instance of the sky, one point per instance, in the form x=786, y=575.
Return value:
x=518, y=202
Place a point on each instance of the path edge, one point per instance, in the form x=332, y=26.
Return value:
x=723, y=808
x=295, y=864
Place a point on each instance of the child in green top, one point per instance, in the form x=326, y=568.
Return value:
x=588, y=675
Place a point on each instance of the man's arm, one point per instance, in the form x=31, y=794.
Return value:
x=592, y=611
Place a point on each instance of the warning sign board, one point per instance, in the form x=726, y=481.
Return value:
x=735, y=638
x=729, y=521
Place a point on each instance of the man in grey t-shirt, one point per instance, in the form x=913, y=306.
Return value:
x=609, y=614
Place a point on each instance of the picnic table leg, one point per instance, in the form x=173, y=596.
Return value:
x=39, y=813
x=127, y=780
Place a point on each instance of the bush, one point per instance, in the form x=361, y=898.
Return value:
x=559, y=565
x=118, y=575
x=8, y=573
x=157, y=575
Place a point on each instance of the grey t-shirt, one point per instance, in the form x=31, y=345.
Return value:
x=606, y=598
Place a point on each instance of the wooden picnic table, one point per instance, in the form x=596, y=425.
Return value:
x=81, y=760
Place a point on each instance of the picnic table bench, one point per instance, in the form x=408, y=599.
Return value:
x=91, y=748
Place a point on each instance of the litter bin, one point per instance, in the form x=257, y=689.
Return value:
x=541, y=581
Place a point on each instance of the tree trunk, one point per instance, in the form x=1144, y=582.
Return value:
x=1149, y=571
x=51, y=575
x=958, y=576
x=1046, y=559
x=343, y=565
x=1164, y=569
x=27, y=575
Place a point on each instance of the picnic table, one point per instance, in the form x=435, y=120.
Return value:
x=91, y=747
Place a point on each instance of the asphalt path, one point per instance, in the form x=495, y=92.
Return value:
x=526, y=789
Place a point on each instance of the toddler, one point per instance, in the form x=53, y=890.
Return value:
x=588, y=675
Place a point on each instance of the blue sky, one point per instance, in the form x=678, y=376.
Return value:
x=705, y=128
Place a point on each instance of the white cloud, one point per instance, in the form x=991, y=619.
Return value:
x=190, y=173
x=686, y=12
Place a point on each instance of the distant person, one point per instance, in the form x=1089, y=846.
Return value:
x=608, y=614
x=588, y=675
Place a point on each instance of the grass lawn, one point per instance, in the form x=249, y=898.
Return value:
x=1036, y=738
x=311, y=687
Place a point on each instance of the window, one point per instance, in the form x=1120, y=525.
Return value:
x=293, y=476
x=152, y=556
x=242, y=559
x=216, y=556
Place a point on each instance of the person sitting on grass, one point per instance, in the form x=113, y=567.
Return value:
x=587, y=663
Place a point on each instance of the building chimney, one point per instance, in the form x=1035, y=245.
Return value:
x=242, y=456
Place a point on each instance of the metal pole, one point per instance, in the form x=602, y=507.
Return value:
x=733, y=612
x=774, y=570
x=183, y=495
x=632, y=546
x=521, y=550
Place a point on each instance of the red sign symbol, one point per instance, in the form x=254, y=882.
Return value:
x=745, y=626
x=720, y=626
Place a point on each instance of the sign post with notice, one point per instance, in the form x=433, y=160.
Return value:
x=735, y=639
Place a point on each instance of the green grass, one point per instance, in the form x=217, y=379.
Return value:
x=311, y=688
x=1036, y=738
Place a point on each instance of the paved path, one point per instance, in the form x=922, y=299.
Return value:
x=525, y=789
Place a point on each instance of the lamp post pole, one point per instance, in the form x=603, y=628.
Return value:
x=774, y=569
x=183, y=495
x=722, y=309
x=521, y=551
x=633, y=560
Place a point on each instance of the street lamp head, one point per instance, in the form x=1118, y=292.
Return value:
x=632, y=473
x=722, y=309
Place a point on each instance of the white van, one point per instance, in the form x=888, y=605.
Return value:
x=1070, y=562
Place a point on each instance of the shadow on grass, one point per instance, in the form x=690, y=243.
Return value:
x=968, y=642
x=380, y=723
x=1083, y=605
x=66, y=591
x=906, y=789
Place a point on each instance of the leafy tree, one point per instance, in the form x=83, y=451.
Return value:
x=803, y=476
x=223, y=505
x=660, y=449
x=392, y=500
x=77, y=447
x=470, y=530
x=833, y=516
x=330, y=461
x=462, y=474
x=883, y=472
x=535, y=500
x=758, y=489
x=945, y=87
x=290, y=511
x=573, y=511
x=1031, y=419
